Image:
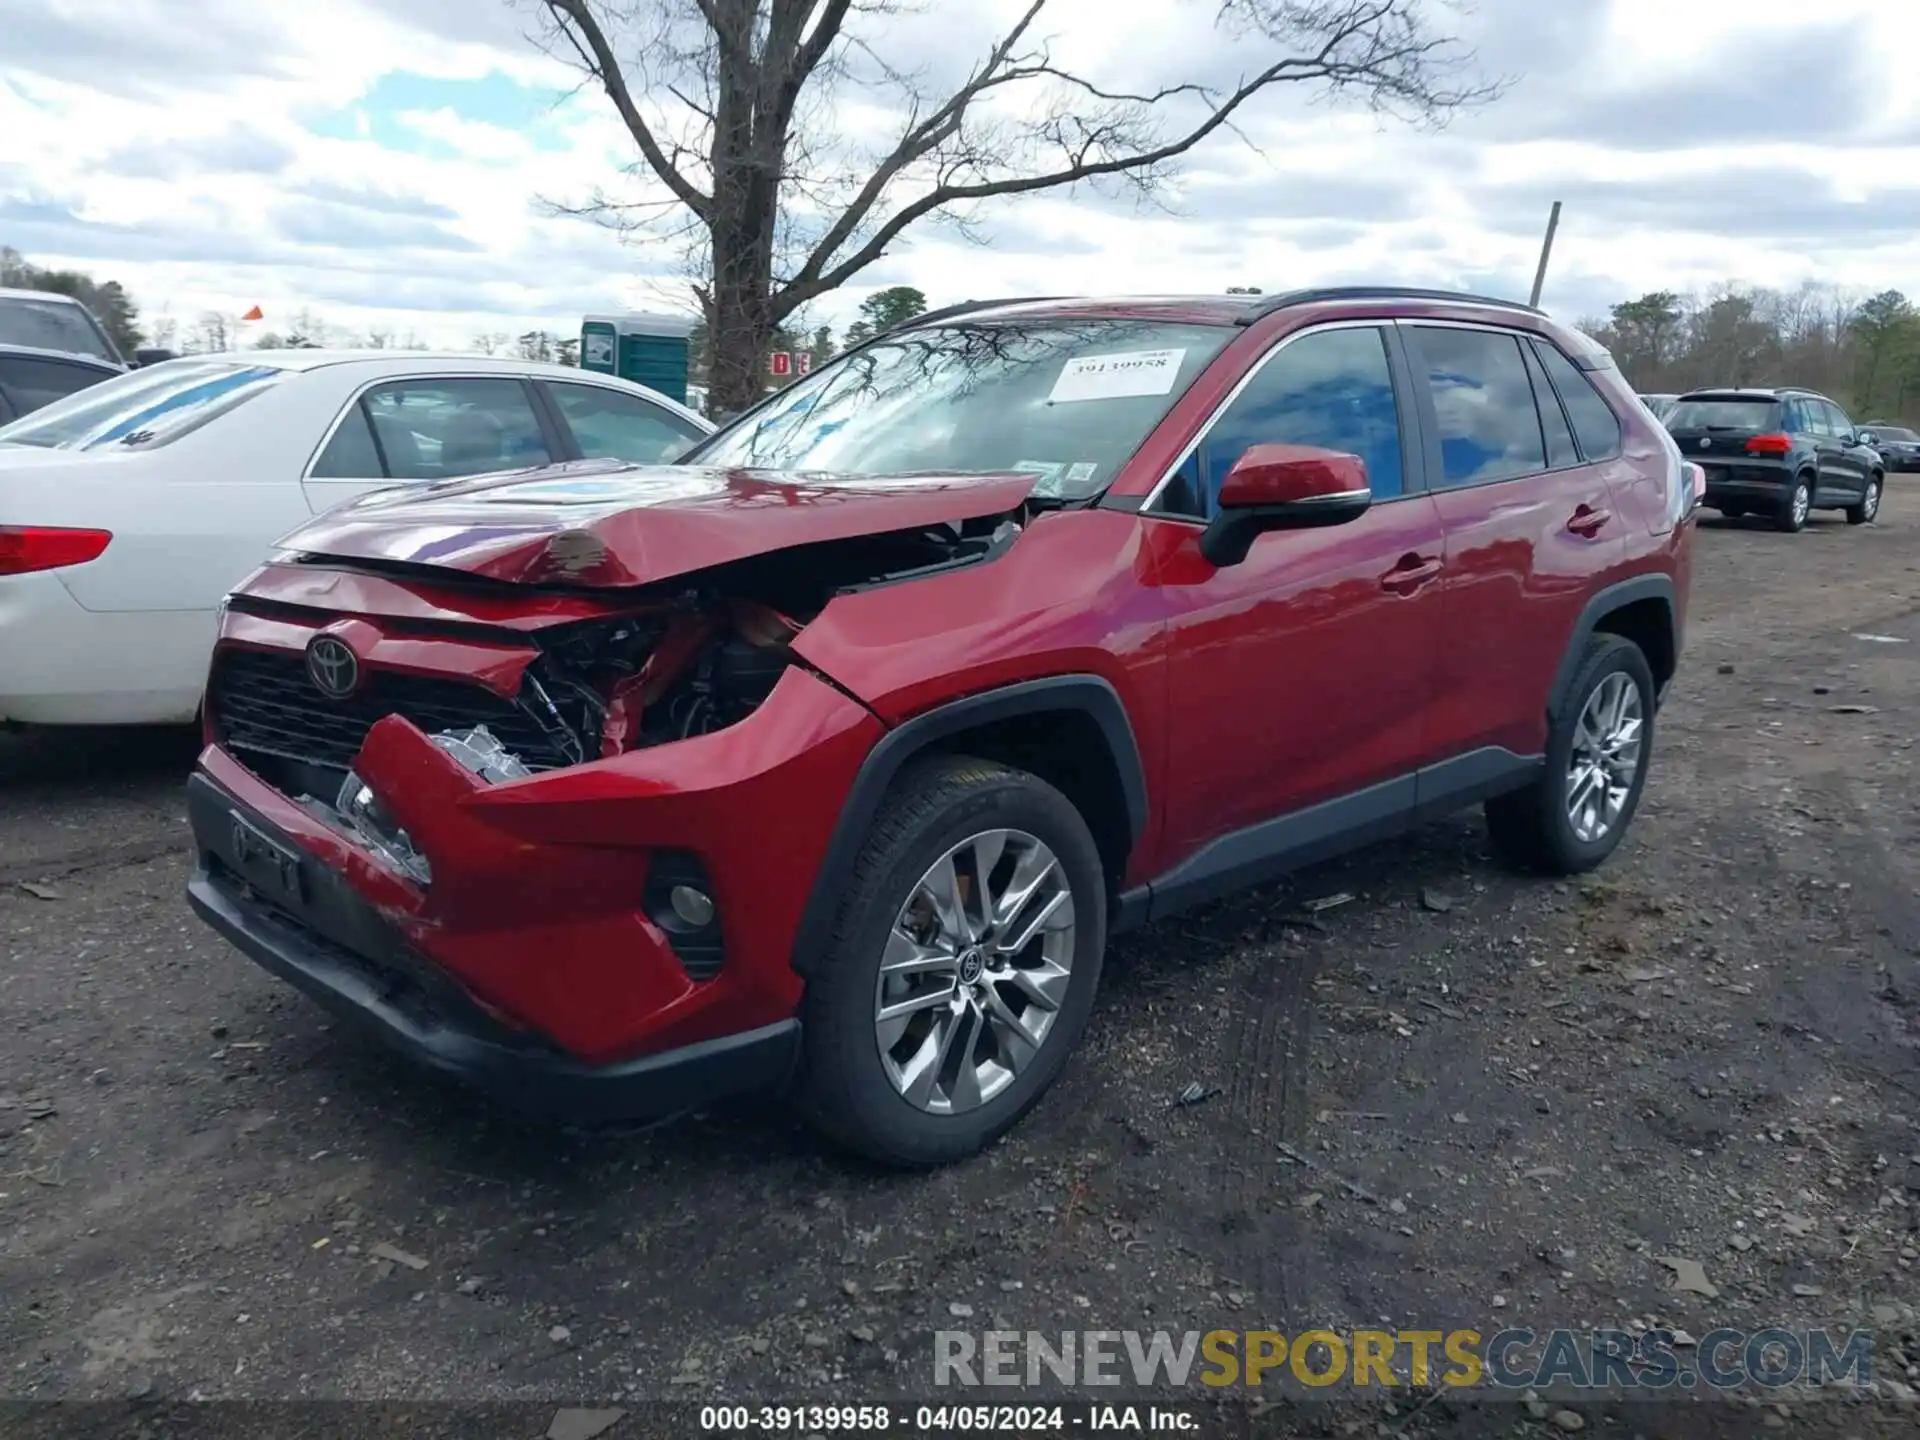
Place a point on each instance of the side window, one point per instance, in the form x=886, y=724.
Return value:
x=1553, y=420
x=1837, y=418
x=1793, y=417
x=1332, y=388
x=1489, y=426
x=613, y=425
x=1818, y=421
x=31, y=382
x=351, y=453
x=442, y=429
x=1595, y=425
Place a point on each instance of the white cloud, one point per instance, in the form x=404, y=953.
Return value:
x=372, y=160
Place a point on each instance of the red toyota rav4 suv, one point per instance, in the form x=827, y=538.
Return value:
x=832, y=756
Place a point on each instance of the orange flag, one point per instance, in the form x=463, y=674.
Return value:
x=253, y=314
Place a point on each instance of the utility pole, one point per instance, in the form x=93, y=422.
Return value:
x=1546, y=249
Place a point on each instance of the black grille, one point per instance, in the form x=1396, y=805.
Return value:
x=263, y=701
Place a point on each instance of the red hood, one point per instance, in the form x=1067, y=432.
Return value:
x=592, y=524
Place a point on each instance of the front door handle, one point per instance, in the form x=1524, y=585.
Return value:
x=1587, y=520
x=1410, y=574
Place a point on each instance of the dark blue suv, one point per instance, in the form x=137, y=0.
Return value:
x=1782, y=453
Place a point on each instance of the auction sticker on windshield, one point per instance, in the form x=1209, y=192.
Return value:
x=1118, y=376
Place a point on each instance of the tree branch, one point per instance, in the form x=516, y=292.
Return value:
x=583, y=31
x=1374, y=45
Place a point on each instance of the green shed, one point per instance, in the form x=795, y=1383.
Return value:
x=649, y=350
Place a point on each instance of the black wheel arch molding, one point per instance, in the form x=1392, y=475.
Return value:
x=1610, y=601
x=1087, y=695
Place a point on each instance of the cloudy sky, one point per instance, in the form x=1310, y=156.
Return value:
x=388, y=162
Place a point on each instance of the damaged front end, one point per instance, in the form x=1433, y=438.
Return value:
x=576, y=678
x=553, y=819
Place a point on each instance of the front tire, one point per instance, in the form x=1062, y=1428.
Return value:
x=1573, y=816
x=1869, y=506
x=962, y=968
x=1796, y=506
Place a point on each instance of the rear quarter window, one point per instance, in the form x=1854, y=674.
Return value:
x=1595, y=426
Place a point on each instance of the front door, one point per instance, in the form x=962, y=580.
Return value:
x=1304, y=673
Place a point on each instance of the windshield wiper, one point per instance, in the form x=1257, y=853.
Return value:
x=136, y=437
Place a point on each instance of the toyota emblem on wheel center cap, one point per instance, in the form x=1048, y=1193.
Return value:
x=333, y=667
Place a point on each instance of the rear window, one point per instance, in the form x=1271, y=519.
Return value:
x=1723, y=415
x=141, y=409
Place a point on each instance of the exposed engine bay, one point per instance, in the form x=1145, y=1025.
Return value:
x=678, y=661
x=671, y=666
x=707, y=657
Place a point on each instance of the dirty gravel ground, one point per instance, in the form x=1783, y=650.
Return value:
x=1514, y=1096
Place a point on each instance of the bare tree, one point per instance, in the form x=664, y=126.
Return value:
x=728, y=104
x=211, y=333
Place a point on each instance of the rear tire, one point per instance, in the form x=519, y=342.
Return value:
x=1796, y=506
x=952, y=1077
x=1733, y=512
x=1598, y=753
x=1869, y=506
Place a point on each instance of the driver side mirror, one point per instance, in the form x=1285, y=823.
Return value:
x=151, y=355
x=1283, y=487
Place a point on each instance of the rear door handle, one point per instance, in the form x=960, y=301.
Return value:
x=1587, y=520
x=1410, y=574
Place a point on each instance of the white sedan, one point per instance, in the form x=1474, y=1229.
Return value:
x=129, y=509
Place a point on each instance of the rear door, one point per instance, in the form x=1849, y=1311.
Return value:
x=1852, y=463
x=430, y=427
x=1530, y=525
x=1811, y=419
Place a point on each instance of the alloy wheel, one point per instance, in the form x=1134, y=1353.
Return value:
x=1607, y=746
x=1870, y=503
x=975, y=971
x=1802, y=502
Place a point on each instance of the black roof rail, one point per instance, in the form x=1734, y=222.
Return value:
x=1267, y=305
x=967, y=307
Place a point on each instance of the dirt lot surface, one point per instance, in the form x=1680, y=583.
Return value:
x=1455, y=1098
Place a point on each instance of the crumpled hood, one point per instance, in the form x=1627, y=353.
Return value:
x=599, y=523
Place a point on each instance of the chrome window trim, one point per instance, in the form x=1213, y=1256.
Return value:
x=1226, y=403
x=353, y=400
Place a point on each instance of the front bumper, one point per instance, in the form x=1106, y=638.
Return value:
x=342, y=953
x=531, y=953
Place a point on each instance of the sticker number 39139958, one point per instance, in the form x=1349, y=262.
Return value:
x=1117, y=376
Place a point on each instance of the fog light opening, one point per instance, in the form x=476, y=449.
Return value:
x=695, y=907
x=681, y=902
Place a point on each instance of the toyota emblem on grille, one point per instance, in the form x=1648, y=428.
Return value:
x=333, y=668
